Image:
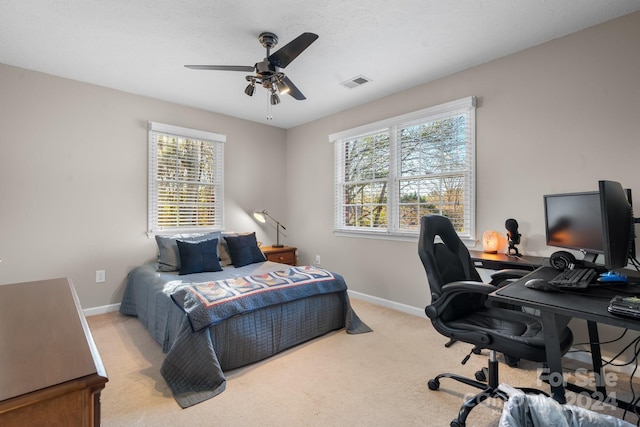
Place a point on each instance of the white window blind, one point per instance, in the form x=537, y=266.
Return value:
x=390, y=173
x=186, y=179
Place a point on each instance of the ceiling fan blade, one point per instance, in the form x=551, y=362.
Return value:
x=244, y=68
x=291, y=50
x=293, y=90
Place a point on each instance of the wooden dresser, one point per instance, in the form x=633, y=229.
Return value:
x=50, y=371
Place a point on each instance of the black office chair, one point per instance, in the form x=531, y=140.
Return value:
x=458, y=311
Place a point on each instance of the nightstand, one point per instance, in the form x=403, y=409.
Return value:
x=284, y=255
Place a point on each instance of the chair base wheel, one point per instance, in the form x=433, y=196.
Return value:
x=456, y=423
x=433, y=384
x=481, y=376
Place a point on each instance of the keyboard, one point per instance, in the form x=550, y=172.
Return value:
x=577, y=278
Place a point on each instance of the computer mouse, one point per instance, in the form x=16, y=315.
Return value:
x=540, y=285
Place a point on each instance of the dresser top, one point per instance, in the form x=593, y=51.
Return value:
x=44, y=337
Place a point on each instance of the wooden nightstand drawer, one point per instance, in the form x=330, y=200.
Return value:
x=283, y=258
x=285, y=255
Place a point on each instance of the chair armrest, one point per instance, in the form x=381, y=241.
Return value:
x=465, y=287
x=508, y=274
x=451, y=290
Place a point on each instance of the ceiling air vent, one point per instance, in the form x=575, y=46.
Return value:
x=356, y=81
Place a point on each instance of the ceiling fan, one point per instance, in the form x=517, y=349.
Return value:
x=267, y=72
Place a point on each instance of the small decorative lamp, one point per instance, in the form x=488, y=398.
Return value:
x=490, y=242
x=261, y=216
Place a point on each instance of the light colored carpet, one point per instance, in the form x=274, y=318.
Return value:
x=373, y=379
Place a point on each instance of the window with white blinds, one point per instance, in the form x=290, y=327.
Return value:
x=390, y=173
x=186, y=179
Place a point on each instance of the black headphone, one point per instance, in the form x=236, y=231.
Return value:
x=562, y=260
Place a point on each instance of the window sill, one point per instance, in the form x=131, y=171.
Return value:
x=403, y=237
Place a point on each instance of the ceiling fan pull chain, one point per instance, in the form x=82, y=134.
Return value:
x=269, y=109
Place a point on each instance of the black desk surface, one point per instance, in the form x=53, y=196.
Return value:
x=589, y=304
x=503, y=261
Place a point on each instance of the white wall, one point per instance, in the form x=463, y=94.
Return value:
x=554, y=118
x=73, y=179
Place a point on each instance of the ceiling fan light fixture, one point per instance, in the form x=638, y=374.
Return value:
x=282, y=87
x=275, y=99
x=251, y=87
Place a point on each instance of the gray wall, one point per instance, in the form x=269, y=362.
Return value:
x=73, y=179
x=575, y=99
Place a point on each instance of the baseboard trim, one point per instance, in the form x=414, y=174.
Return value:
x=101, y=310
x=388, y=304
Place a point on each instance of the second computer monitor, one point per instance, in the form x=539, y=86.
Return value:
x=617, y=224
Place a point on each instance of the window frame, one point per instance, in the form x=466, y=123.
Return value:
x=154, y=130
x=392, y=229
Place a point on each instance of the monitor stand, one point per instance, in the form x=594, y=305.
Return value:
x=589, y=261
x=589, y=258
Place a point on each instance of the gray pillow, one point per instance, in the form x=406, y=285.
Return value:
x=223, y=250
x=168, y=255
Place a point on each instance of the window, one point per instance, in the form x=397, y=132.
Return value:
x=186, y=190
x=391, y=173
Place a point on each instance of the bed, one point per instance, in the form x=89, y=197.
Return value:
x=208, y=322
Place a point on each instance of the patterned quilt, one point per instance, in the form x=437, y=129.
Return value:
x=212, y=302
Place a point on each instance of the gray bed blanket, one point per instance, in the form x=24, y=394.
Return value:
x=195, y=361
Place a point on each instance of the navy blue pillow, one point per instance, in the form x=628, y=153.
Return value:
x=244, y=250
x=196, y=257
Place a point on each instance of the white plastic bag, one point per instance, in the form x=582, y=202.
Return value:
x=537, y=410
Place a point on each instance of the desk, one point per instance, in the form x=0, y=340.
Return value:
x=503, y=261
x=556, y=309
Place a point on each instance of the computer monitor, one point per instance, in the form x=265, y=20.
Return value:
x=574, y=221
x=617, y=224
x=595, y=222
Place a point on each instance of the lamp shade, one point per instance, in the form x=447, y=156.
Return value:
x=260, y=217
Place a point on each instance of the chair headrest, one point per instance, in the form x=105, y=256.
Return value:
x=432, y=226
x=438, y=225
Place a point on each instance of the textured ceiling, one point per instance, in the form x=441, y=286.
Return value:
x=140, y=46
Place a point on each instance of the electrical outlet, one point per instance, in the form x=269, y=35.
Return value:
x=317, y=263
x=100, y=276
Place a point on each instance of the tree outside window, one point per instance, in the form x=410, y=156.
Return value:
x=414, y=165
x=185, y=179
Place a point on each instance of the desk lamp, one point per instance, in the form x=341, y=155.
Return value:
x=261, y=216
